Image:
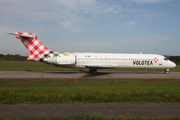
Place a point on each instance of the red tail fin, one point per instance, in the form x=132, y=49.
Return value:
x=37, y=50
x=32, y=43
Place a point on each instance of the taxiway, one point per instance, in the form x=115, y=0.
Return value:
x=85, y=74
x=103, y=109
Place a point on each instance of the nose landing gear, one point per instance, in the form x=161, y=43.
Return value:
x=166, y=71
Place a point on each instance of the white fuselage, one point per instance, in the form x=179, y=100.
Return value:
x=112, y=60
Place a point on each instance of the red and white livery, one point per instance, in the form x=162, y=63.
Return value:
x=92, y=61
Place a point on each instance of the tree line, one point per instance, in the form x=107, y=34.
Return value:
x=10, y=57
x=18, y=57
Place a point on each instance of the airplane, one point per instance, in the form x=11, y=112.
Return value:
x=91, y=61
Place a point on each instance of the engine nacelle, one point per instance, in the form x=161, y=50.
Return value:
x=62, y=60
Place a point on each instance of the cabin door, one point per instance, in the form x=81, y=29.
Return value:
x=160, y=61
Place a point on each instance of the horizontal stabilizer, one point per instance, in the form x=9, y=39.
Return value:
x=26, y=36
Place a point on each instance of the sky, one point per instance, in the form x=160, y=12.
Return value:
x=107, y=26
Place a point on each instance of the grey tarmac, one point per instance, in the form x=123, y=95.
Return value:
x=85, y=74
x=103, y=109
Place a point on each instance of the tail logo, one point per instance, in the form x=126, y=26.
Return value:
x=156, y=60
x=34, y=46
x=37, y=50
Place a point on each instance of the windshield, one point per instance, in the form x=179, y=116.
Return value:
x=165, y=58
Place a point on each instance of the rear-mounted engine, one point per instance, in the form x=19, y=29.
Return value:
x=62, y=60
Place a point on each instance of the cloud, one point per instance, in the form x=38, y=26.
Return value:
x=68, y=13
x=31, y=10
x=54, y=9
x=76, y=5
x=106, y=11
x=131, y=23
x=150, y=1
x=70, y=26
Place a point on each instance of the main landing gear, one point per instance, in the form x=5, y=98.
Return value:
x=93, y=71
x=166, y=71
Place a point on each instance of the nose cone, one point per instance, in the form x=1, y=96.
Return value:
x=172, y=65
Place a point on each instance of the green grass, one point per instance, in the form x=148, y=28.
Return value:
x=46, y=82
x=38, y=91
x=38, y=66
x=113, y=94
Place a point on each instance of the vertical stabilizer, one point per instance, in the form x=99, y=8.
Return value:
x=34, y=46
x=32, y=43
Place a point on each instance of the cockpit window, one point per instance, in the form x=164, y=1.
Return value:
x=165, y=58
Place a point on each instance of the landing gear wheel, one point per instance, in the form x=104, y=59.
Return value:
x=166, y=71
x=93, y=71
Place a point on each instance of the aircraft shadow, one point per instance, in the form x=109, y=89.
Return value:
x=137, y=72
x=94, y=75
x=99, y=72
x=87, y=74
x=56, y=72
x=103, y=74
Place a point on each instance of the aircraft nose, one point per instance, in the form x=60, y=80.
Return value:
x=172, y=64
